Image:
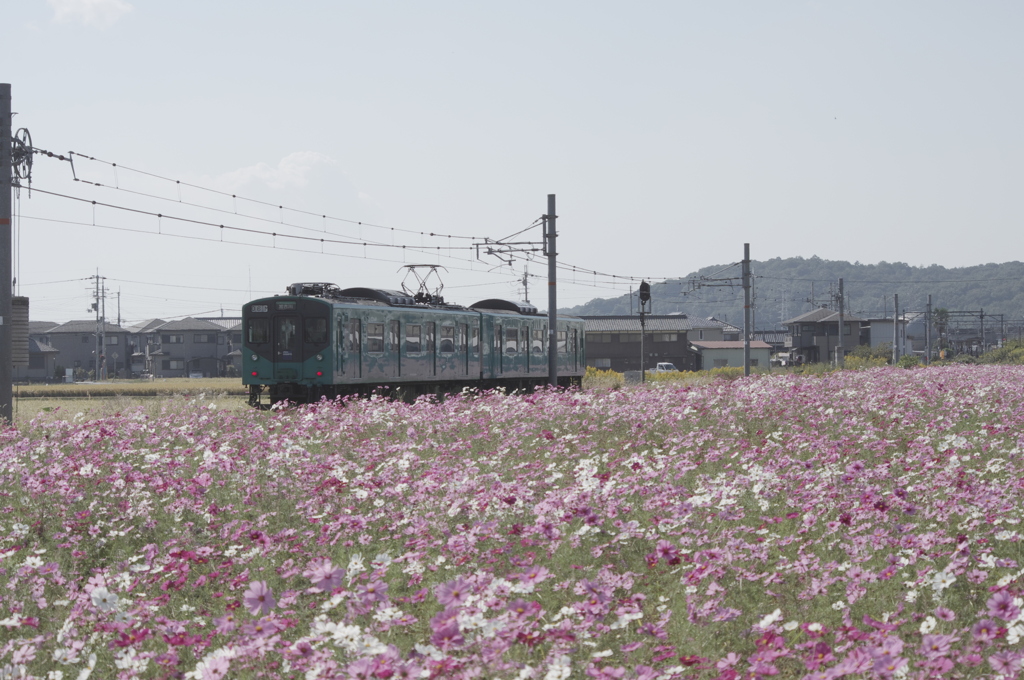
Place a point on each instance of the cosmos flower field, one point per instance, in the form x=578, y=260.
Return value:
x=858, y=524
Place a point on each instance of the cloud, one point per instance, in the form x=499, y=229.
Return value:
x=292, y=171
x=99, y=13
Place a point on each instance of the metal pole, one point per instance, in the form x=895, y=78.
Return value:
x=746, y=309
x=99, y=332
x=6, y=170
x=928, y=332
x=643, y=372
x=895, y=326
x=841, y=353
x=550, y=234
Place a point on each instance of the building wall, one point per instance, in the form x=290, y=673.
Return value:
x=621, y=351
x=715, y=358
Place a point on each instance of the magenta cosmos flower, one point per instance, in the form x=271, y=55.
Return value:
x=259, y=599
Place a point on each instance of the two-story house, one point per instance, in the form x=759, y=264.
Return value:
x=814, y=336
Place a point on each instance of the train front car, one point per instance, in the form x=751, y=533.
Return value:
x=286, y=348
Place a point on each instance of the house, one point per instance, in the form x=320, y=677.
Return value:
x=815, y=335
x=143, y=341
x=880, y=332
x=613, y=342
x=77, y=342
x=711, y=328
x=188, y=347
x=723, y=353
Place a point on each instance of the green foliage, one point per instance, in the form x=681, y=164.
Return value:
x=908, y=361
x=1010, y=353
x=856, y=363
x=596, y=378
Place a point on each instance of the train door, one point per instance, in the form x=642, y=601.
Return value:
x=354, y=348
x=464, y=348
x=474, y=350
x=499, y=353
x=286, y=345
x=431, y=347
x=394, y=366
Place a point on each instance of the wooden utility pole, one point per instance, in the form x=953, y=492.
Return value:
x=6, y=173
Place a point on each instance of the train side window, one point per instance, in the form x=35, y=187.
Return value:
x=447, y=339
x=375, y=338
x=430, y=336
x=511, y=340
x=497, y=339
x=259, y=331
x=524, y=334
x=413, y=338
x=561, y=342
x=538, y=341
x=393, y=330
x=316, y=331
x=474, y=340
x=463, y=339
x=353, y=341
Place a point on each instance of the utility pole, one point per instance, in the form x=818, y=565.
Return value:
x=982, y=349
x=6, y=172
x=841, y=350
x=550, y=233
x=645, y=300
x=895, y=328
x=99, y=331
x=746, y=309
x=101, y=365
x=928, y=332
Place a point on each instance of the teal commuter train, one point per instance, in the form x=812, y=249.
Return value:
x=320, y=341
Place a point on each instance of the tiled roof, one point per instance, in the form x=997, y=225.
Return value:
x=37, y=327
x=225, y=322
x=85, y=327
x=188, y=324
x=37, y=347
x=729, y=344
x=146, y=326
x=653, y=324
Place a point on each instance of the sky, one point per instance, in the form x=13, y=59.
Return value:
x=670, y=132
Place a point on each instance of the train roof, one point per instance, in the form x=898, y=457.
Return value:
x=397, y=298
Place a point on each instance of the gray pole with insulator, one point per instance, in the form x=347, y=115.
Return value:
x=549, y=235
x=6, y=172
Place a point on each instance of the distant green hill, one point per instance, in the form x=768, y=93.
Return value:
x=783, y=289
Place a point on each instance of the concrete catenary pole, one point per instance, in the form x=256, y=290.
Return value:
x=551, y=233
x=895, y=327
x=746, y=309
x=841, y=348
x=6, y=171
x=928, y=332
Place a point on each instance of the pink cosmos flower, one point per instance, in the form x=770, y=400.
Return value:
x=1001, y=606
x=453, y=593
x=259, y=599
x=216, y=668
x=324, y=575
x=984, y=631
x=374, y=591
x=944, y=614
x=1007, y=664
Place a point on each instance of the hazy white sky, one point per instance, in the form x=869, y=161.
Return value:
x=671, y=133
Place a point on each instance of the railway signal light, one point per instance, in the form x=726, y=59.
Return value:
x=645, y=291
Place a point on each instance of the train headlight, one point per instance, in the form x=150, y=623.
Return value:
x=254, y=357
x=319, y=357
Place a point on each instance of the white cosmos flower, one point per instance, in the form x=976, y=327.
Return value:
x=103, y=599
x=928, y=625
x=770, y=619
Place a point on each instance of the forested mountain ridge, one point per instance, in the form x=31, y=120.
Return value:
x=785, y=288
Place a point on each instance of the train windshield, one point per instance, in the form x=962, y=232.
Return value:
x=316, y=331
x=259, y=331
